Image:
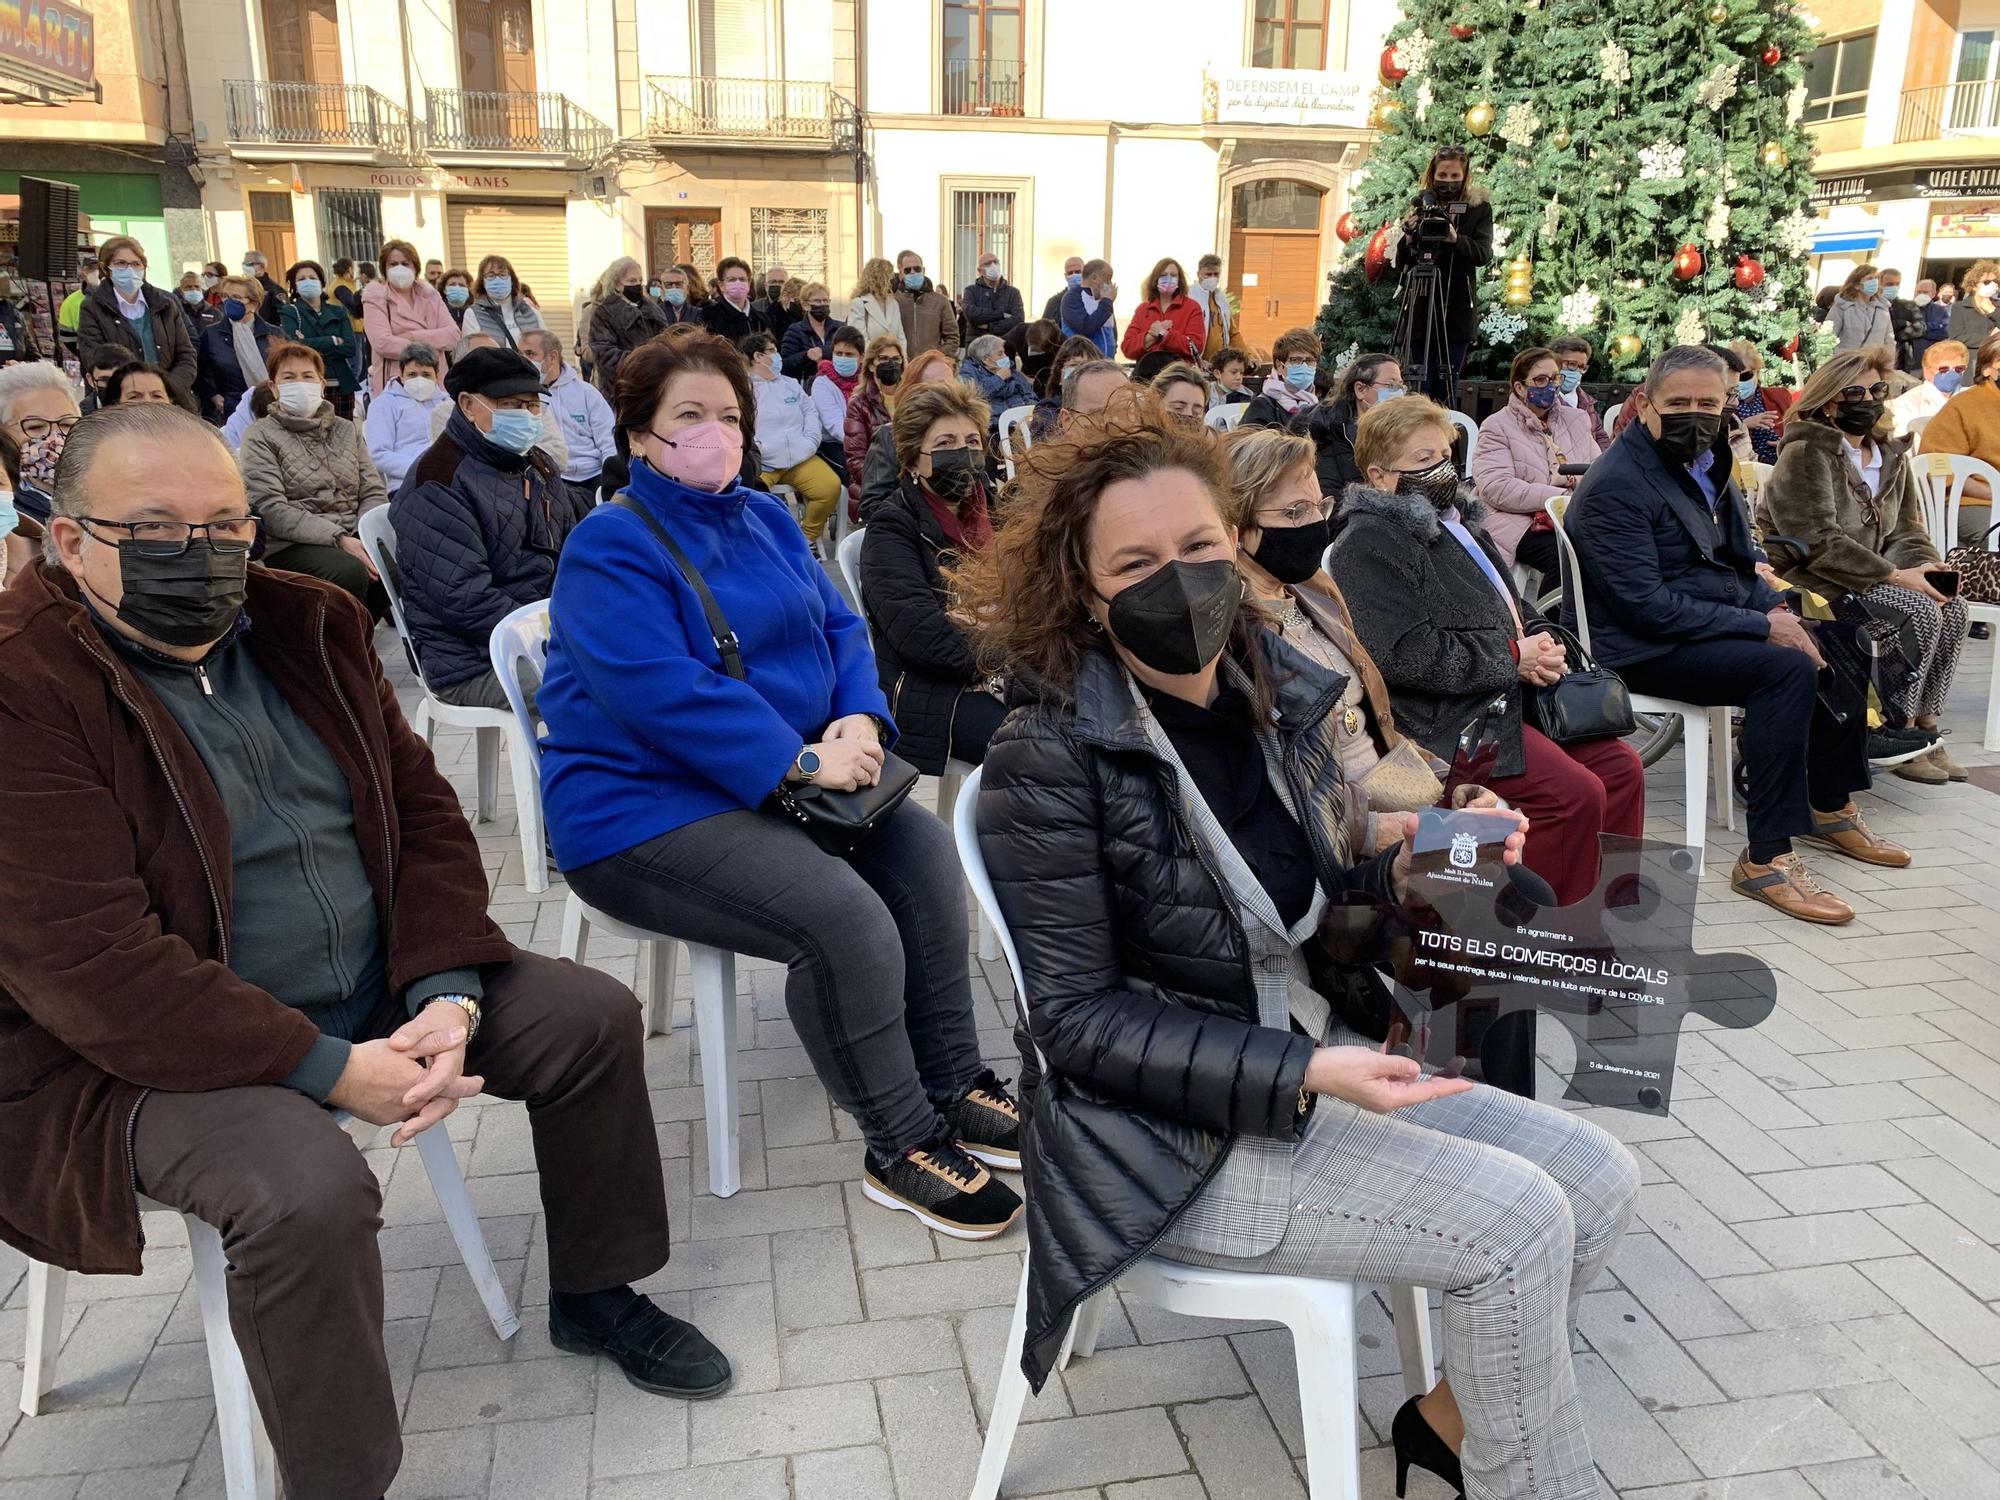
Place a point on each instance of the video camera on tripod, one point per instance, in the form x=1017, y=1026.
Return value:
x=1433, y=226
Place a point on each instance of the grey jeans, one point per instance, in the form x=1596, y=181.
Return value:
x=1508, y=1207
x=879, y=987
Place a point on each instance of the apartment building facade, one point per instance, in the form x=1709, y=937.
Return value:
x=1903, y=97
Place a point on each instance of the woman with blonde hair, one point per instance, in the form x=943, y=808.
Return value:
x=621, y=318
x=1849, y=492
x=1760, y=408
x=809, y=339
x=1860, y=313
x=1181, y=392
x=1975, y=316
x=873, y=308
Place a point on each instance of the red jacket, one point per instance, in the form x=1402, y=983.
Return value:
x=1183, y=340
x=115, y=877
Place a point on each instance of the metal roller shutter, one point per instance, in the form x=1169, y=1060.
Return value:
x=535, y=237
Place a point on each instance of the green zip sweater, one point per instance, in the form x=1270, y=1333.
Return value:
x=303, y=922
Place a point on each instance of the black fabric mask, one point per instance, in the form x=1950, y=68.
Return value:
x=953, y=471
x=1447, y=192
x=188, y=600
x=1177, y=621
x=819, y=310
x=1033, y=364
x=888, y=373
x=1857, y=417
x=1437, y=484
x=633, y=294
x=1686, y=435
x=1291, y=554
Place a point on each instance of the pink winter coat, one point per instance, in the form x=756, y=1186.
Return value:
x=1514, y=465
x=393, y=319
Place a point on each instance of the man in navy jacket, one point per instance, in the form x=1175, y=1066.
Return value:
x=1678, y=608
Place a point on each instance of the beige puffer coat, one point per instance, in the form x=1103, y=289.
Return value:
x=308, y=478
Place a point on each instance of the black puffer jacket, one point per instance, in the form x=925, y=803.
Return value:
x=1141, y=999
x=1432, y=620
x=924, y=659
x=1331, y=426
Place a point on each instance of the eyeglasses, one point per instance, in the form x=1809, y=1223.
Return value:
x=1955, y=369
x=41, y=427
x=1542, y=380
x=128, y=264
x=171, y=538
x=1879, y=391
x=1301, y=512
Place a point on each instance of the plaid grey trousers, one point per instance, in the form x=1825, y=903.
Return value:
x=1511, y=1209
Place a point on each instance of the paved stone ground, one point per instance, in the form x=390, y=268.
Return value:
x=1808, y=1309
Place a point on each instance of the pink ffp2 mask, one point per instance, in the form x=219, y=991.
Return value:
x=706, y=456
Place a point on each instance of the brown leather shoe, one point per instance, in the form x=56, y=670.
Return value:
x=1924, y=769
x=1788, y=885
x=1845, y=832
x=1940, y=758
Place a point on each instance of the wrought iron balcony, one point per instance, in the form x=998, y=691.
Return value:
x=540, y=124
x=1950, y=109
x=760, y=113
x=263, y=112
x=984, y=86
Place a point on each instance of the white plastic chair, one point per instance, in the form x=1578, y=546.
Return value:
x=1470, y=428
x=1942, y=488
x=520, y=654
x=491, y=725
x=1014, y=419
x=1227, y=417
x=1610, y=415
x=1702, y=729
x=1318, y=1312
x=249, y=1468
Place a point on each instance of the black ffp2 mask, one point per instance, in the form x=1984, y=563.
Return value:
x=1857, y=417
x=953, y=471
x=1686, y=435
x=1177, y=620
x=187, y=600
x=1292, y=554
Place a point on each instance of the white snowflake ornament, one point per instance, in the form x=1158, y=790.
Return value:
x=1795, y=104
x=1614, y=63
x=1663, y=161
x=1691, y=327
x=1716, y=230
x=1519, y=127
x=1413, y=53
x=1579, y=309
x=1719, y=87
x=1795, y=233
x=1424, y=98
x=1346, y=356
x=1502, y=325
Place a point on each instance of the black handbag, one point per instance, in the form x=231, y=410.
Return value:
x=839, y=822
x=1588, y=702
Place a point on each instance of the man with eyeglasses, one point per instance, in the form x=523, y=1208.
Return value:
x=1679, y=610
x=239, y=893
x=1944, y=373
x=928, y=316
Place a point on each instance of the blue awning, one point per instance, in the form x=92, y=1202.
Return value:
x=1843, y=243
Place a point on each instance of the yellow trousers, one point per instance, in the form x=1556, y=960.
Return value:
x=818, y=486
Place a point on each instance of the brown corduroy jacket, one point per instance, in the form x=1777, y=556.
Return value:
x=115, y=881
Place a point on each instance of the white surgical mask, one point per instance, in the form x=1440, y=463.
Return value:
x=991, y=272
x=1989, y=289
x=1922, y=299
x=419, y=388
x=402, y=277
x=1210, y=283
x=301, y=398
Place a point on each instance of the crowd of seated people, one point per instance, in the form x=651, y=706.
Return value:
x=1213, y=678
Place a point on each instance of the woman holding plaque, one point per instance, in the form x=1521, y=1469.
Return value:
x=1164, y=835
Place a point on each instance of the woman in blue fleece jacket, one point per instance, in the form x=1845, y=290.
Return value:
x=659, y=764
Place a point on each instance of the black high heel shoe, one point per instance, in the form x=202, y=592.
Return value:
x=1417, y=1444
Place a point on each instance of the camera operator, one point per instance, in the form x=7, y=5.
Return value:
x=1449, y=225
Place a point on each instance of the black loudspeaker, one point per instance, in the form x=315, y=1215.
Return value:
x=47, y=250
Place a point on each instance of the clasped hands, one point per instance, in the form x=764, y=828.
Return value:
x=850, y=757
x=413, y=1077
x=1543, y=660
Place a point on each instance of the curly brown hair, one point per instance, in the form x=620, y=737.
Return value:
x=929, y=403
x=1029, y=592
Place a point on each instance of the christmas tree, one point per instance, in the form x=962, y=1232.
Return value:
x=1650, y=175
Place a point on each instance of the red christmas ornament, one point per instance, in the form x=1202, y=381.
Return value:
x=1749, y=272
x=1463, y=32
x=1791, y=350
x=1377, y=254
x=1346, y=228
x=1687, y=262
x=1393, y=70
x=1772, y=56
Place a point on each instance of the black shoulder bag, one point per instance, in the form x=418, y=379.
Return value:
x=839, y=822
x=1588, y=702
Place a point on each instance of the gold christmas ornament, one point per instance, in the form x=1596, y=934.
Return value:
x=1625, y=348
x=1718, y=13
x=1560, y=140
x=1775, y=155
x=1385, y=114
x=1479, y=118
x=1520, y=282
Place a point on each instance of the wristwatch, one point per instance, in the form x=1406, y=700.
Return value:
x=807, y=764
x=471, y=1008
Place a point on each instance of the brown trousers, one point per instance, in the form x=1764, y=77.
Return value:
x=299, y=1209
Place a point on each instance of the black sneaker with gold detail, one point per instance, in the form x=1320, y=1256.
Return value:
x=986, y=1123
x=944, y=1188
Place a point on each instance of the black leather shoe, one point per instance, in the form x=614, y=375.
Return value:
x=657, y=1351
x=1417, y=1444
